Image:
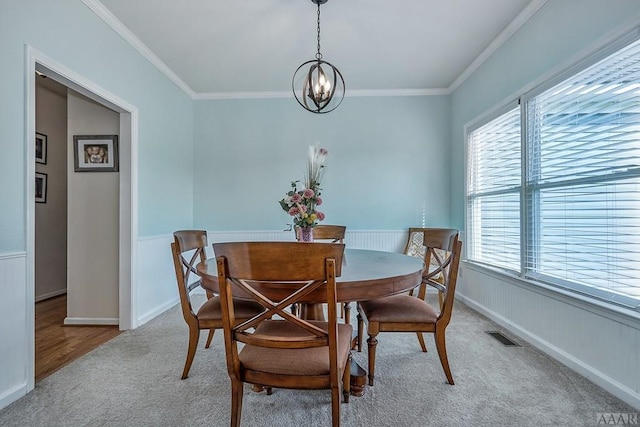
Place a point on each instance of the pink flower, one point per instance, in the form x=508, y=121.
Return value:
x=308, y=193
x=318, y=201
x=320, y=215
x=302, y=208
x=294, y=211
x=324, y=152
x=296, y=198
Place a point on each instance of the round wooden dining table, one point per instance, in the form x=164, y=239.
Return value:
x=365, y=275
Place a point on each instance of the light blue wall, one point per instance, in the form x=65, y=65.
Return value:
x=559, y=30
x=71, y=34
x=388, y=163
x=73, y=37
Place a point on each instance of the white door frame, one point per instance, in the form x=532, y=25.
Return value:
x=128, y=204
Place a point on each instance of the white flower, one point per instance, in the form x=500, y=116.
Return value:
x=315, y=166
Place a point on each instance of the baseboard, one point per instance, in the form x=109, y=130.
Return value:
x=607, y=383
x=91, y=321
x=156, y=311
x=12, y=395
x=51, y=294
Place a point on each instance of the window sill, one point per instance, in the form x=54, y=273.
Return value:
x=610, y=311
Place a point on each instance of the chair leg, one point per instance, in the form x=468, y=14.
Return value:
x=209, y=338
x=442, y=353
x=237, y=390
x=360, y=333
x=346, y=380
x=335, y=402
x=373, y=342
x=194, y=335
x=346, y=312
x=421, y=340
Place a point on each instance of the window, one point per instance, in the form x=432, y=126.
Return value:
x=493, y=192
x=553, y=183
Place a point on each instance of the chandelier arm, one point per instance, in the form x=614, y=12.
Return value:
x=305, y=87
x=332, y=90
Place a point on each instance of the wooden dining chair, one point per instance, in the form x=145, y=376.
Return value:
x=192, y=244
x=411, y=313
x=331, y=234
x=279, y=349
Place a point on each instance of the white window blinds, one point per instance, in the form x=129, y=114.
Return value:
x=583, y=178
x=565, y=208
x=493, y=189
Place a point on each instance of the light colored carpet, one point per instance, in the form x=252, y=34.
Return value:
x=134, y=380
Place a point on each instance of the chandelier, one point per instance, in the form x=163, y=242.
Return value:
x=317, y=84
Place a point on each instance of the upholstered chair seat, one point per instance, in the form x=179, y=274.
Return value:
x=304, y=361
x=385, y=310
x=211, y=311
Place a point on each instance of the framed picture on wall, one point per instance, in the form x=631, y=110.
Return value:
x=95, y=153
x=41, y=187
x=41, y=148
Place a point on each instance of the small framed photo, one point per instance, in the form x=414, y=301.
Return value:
x=95, y=153
x=41, y=187
x=41, y=148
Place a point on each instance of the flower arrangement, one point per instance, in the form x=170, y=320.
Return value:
x=302, y=204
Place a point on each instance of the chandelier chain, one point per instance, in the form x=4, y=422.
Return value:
x=318, y=55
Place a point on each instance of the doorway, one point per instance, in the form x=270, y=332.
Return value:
x=127, y=207
x=61, y=200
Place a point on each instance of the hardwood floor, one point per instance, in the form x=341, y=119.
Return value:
x=57, y=345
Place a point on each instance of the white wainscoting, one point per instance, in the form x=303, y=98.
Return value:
x=13, y=328
x=155, y=284
x=380, y=240
x=601, y=343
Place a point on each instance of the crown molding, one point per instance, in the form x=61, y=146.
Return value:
x=510, y=30
x=359, y=93
x=398, y=92
x=117, y=26
x=242, y=95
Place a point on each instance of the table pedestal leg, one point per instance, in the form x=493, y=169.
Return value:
x=257, y=388
x=358, y=379
x=312, y=312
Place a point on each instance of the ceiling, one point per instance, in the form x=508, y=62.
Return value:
x=236, y=48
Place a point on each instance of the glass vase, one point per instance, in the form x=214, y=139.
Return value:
x=306, y=234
